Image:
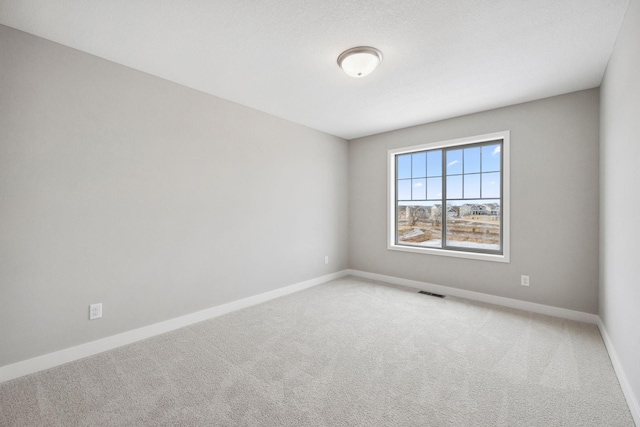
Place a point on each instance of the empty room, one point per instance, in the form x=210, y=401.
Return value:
x=337, y=213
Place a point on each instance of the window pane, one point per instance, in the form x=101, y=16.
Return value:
x=454, y=162
x=474, y=224
x=404, y=166
x=472, y=160
x=471, y=185
x=491, y=185
x=434, y=188
x=419, y=224
x=419, y=165
x=491, y=158
x=434, y=163
x=404, y=189
x=419, y=188
x=454, y=187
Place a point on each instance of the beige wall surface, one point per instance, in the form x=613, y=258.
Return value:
x=620, y=205
x=554, y=204
x=154, y=199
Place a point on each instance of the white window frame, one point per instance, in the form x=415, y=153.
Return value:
x=505, y=206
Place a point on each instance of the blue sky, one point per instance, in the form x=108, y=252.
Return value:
x=471, y=172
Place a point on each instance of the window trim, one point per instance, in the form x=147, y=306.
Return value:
x=505, y=204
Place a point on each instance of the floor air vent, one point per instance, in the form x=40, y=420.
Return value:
x=431, y=294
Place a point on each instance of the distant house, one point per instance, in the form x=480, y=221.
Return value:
x=472, y=209
x=492, y=209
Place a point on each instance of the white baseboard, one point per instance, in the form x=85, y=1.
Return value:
x=632, y=400
x=478, y=296
x=50, y=360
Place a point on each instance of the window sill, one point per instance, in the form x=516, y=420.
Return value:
x=456, y=254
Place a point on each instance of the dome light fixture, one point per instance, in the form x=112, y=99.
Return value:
x=359, y=61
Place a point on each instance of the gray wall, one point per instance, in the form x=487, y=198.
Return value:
x=154, y=199
x=554, y=204
x=620, y=207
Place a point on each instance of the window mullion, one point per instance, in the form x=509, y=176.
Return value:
x=481, y=168
x=395, y=238
x=443, y=212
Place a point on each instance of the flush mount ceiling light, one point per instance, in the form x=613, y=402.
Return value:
x=359, y=61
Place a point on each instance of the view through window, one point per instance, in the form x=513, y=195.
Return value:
x=450, y=197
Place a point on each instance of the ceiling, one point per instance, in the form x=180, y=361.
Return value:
x=442, y=58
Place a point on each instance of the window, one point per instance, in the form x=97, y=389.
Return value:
x=451, y=198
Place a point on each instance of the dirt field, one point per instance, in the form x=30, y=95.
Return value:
x=477, y=229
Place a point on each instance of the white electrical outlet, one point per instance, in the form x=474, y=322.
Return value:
x=95, y=311
x=524, y=280
x=326, y=259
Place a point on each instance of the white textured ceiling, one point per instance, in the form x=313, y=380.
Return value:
x=442, y=58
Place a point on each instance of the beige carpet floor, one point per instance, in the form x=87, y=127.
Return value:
x=346, y=353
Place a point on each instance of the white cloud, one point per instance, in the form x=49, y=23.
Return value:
x=452, y=163
x=417, y=184
x=496, y=150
